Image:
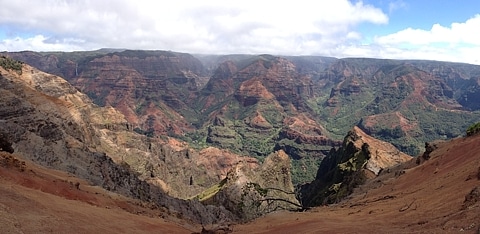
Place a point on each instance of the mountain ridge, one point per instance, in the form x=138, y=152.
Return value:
x=60, y=132
x=46, y=120
x=244, y=102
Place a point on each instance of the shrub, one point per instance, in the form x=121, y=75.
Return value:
x=5, y=144
x=473, y=129
x=11, y=64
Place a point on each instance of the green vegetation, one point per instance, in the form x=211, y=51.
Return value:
x=369, y=93
x=262, y=191
x=210, y=192
x=265, y=58
x=380, y=106
x=196, y=139
x=372, y=95
x=375, y=90
x=304, y=170
x=341, y=173
x=11, y=64
x=149, y=133
x=473, y=129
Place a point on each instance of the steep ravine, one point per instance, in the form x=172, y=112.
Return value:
x=360, y=158
x=55, y=128
x=257, y=104
x=48, y=121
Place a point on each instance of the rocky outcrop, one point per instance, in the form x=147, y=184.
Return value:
x=262, y=103
x=429, y=148
x=7, y=160
x=164, y=93
x=360, y=157
x=259, y=78
x=59, y=113
x=470, y=92
x=387, y=95
x=472, y=198
x=349, y=87
x=252, y=192
x=302, y=137
x=151, y=88
x=46, y=120
x=382, y=154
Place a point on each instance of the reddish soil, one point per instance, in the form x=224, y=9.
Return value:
x=39, y=200
x=255, y=88
x=426, y=198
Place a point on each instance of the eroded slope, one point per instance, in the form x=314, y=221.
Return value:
x=437, y=196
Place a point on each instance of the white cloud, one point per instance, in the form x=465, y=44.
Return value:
x=308, y=27
x=460, y=42
x=457, y=33
x=40, y=41
x=209, y=26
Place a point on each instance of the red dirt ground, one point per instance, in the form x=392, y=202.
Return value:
x=40, y=200
x=425, y=198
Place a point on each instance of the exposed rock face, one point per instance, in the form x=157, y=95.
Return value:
x=400, y=101
x=471, y=92
x=396, y=101
x=219, y=162
x=260, y=108
x=151, y=88
x=250, y=101
x=250, y=193
x=263, y=78
x=429, y=148
x=9, y=161
x=302, y=137
x=472, y=198
x=179, y=171
x=348, y=87
x=360, y=157
x=382, y=154
x=46, y=120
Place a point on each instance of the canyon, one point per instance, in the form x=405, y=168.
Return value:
x=207, y=142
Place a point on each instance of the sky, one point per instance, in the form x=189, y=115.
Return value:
x=443, y=30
